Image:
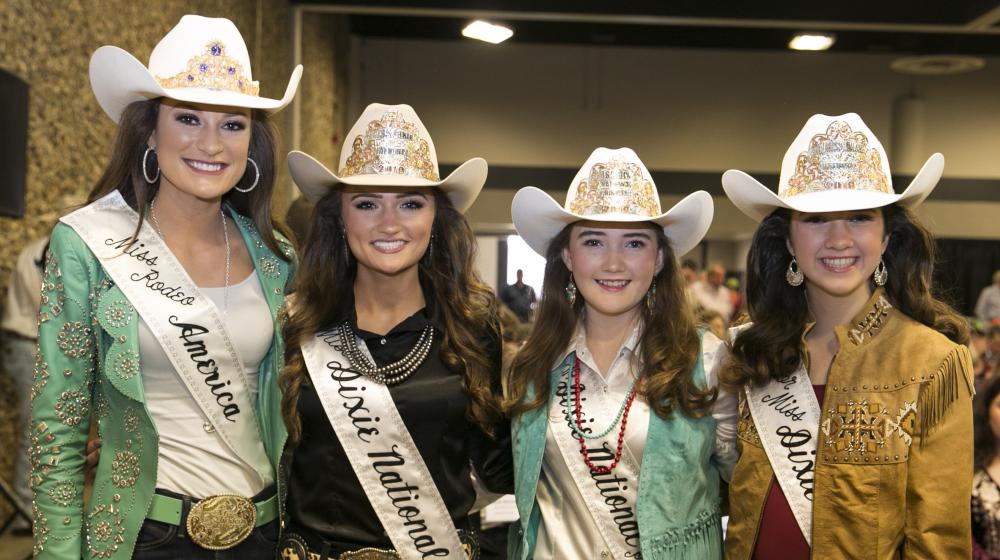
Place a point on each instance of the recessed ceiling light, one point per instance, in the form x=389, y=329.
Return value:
x=811, y=42
x=938, y=65
x=488, y=32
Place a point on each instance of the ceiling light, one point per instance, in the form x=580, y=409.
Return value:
x=487, y=32
x=810, y=42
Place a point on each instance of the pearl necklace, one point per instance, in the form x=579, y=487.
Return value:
x=225, y=234
x=388, y=374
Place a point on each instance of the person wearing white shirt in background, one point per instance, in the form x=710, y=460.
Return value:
x=988, y=304
x=712, y=294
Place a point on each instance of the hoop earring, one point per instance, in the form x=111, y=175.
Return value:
x=651, y=295
x=793, y=275
x=256, y=178
x=881, y=274
x=145, y=173
x=571, y=291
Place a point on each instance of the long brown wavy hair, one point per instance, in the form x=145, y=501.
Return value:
x=779, y=312
x=124, y=171
x=468, y=306
x=669, y=343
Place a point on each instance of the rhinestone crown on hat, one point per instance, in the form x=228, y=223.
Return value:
x=390, y=146
x=617, y=186
x=213, y=70
x=838, y=159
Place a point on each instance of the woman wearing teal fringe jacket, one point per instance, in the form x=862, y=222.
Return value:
x=157, y=319
x=619, y=437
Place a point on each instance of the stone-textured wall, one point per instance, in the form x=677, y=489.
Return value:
x=48, y=43
x=324, y=86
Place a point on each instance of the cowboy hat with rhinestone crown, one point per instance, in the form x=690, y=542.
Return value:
x=201, y=60
x=612, y=186
x=389, y=147
x=834, y=164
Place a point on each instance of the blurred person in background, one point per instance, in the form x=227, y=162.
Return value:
x=985, y=486
x=988, y=304
x=712, y=294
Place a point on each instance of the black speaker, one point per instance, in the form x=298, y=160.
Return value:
x=13, y=143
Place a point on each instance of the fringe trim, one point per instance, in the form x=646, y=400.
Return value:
x=702, y=539
x=937, y=394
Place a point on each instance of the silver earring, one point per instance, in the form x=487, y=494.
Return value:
x=256, y=178
x=651, y=295
x=571, y=291
x=881, y=273
x=793, y=275
x=145, y=173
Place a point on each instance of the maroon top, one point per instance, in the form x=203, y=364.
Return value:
x=779, y=537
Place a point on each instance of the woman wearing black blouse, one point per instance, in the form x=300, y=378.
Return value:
x=393, y=355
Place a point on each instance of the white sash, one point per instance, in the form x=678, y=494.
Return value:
x=611, y=498
x=786, y=414
x=186, y=323
x=382, y=453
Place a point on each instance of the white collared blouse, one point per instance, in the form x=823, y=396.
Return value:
x=567, y=530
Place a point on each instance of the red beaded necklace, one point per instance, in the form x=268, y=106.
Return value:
x=594, y=469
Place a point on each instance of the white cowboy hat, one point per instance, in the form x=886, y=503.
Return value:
x=389, y=147
x=201, y=60
x=834, y=164
x=612, y=186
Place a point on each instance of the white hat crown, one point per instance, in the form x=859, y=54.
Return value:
x=834, y=164
x=611, y=186
x=613, y=182
x=183, y=58
x=389, y=140
x=835, y=153
x=201, y=60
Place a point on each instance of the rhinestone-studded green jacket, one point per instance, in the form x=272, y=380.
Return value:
x=88, y=368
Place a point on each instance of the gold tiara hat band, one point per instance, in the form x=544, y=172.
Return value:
x=836, y=163
x=201, y=60
x=389, y=146
x=611, y=186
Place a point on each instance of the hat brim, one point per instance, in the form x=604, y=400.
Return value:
x=119, y=79
x=462, y=186
x=757, y=201
x=538, y=218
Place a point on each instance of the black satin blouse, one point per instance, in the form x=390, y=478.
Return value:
x=326, y=500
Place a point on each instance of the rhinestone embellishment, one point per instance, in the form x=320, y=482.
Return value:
x=212, y=70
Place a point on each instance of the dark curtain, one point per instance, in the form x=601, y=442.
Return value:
x=963, y=268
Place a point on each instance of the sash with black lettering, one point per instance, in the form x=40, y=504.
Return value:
x=186, y=322
x=382, y=453
x=786, y=414
x=611, y=498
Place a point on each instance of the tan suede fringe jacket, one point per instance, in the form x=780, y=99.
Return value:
x=894, y=457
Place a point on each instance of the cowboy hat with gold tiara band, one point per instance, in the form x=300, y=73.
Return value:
x=835, y=164
x=388, y=146
x=201, y=60
x=612, y=186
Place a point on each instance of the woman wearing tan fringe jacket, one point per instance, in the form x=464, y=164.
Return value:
x=855, y=385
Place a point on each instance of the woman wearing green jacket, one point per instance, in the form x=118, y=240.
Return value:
x=157, y=318
x=618, y=446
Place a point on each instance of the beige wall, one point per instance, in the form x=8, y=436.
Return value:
x=681, y=110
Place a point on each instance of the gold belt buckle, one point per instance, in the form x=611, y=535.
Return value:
x=221, y=522
x=370, y=554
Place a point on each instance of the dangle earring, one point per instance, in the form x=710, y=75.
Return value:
x=571, y=291
x=256, y=178
x=145, y=169
x=793, y=275
x=429, y=254
x=347, y=248
x=881, y=273
x=651, y=295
